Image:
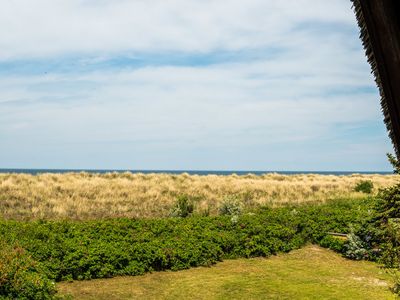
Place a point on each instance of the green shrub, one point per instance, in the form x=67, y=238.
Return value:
x=332, y=242
x=231, y=206
x=381, y=233
x=21, y=277
x=388, y=224
x=104, y=248
x=96, y=249
x=355, y=248
x=364, y=186
x=388, y=203
x=183, y=208
x=394, y=162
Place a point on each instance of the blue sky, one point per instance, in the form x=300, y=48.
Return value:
x=187, y=84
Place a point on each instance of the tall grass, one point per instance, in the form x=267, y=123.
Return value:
x=94, y=196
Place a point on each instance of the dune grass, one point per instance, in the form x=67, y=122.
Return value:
x=308, y=273
x=83, y=196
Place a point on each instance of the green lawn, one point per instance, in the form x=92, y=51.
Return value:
x=308, y=273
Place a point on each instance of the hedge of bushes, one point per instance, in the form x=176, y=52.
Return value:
x=383, y=231
x=66, y=250
x=21, y=277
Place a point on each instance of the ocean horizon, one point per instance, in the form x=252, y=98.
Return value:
x=190, y=172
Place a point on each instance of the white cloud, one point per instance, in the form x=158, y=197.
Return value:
x=56, y=27
x=285, y=106
x=182, y=103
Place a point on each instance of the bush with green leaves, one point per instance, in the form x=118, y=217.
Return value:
x=379, y=237
x=333, y=242
x=388, y=220
x=364, y=186
x=105, y=248
x=21, y=277
x=355, y=248
x=388, y=223
x=394, y=162
x=183, y=208
x=231, y=206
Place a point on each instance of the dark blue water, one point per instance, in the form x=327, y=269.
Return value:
x=191, y=172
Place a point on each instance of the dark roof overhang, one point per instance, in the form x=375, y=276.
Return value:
x=379, y=22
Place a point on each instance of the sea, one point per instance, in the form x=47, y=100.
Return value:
x=191, y=172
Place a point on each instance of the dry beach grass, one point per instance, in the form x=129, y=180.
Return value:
x=94, y=196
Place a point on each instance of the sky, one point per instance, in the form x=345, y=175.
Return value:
x=187, y=85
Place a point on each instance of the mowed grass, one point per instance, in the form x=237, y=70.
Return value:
x=308, y=273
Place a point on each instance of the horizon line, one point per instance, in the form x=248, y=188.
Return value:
x=4, y=170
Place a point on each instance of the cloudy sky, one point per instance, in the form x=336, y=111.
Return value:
x=187, y=84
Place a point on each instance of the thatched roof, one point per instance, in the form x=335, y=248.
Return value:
x=379, y=22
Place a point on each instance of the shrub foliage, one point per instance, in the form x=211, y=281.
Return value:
x=379, y=237
x=183, y=208
x=96, y=249
x=231, y=206
x=388, y=222
x=364, y=186
x=22, y=277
